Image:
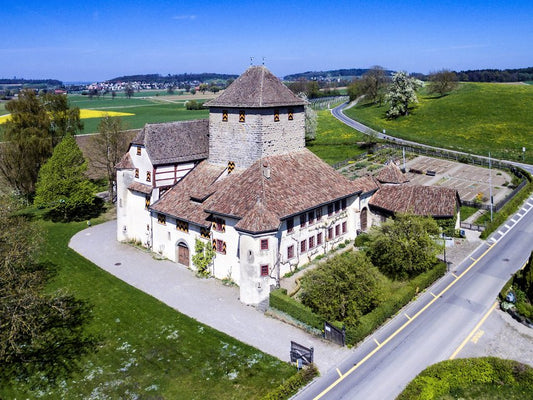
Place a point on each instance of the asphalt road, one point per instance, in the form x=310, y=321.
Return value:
x=434, y=327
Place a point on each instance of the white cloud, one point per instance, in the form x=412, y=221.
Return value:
x=184, y=17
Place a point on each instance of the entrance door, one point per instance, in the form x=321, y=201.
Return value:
x=364, y=219
x=183, y=254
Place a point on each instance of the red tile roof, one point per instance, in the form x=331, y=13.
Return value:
x=140, y=187
x=391, y=174
x=420, y=200
x=125, y=162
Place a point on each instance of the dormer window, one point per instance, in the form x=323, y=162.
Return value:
x=224, y=115
x=290, y=114
x=276, y=115
x=138, y=150
x=242, y=116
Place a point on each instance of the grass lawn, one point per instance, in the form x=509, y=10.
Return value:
x=148, y=350
x=467, y=211
x=476, y=118
x=335, y=141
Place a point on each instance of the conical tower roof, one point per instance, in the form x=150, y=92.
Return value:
x=257, y=87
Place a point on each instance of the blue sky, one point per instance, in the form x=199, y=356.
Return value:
x=98, y=40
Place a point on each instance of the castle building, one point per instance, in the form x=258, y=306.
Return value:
x=241, y=181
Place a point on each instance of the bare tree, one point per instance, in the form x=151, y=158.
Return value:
x=373, y=84
x=442, y=82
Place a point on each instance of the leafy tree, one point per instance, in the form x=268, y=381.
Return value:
x=64, y=120
x=374, y=83
x=524, y=279
x=402, y=93
x=107, y=149
x=192, y=91
x=355, y=89
x=344, y=289
x=442, y=82
x=203, y=87
x=63, y=186
x=203, y=257
x=128, y=91
x=28, y=142
x=171, y=89
x=41, y=334
x=405, y=246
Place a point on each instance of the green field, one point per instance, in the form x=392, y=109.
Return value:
x=335, y=141
x=147, y=350
x=476, y=118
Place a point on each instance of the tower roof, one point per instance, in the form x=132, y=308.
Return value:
x=257, y=87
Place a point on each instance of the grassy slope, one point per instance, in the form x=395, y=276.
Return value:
x=476, y=118
x=147, y=348
x=335, y=141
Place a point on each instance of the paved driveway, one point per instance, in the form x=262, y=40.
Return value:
x=206, y=300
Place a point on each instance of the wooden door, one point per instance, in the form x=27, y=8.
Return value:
x=183, y=254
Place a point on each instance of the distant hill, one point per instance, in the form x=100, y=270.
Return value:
x=157, y=78
x=332, y=74
x=496, y=75
x=22, y=81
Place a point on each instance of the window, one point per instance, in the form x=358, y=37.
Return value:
x=148, y=176
x=219, y=225
x=318, y=213
x=337, y=230
x=303, y=246
x=146, y=202
x=319, y=239
x=276, y=115
x=162, y=219
x=231, y=166
x=311, y=242
x=264, y=244
x=138, y=150
x=330, y=233
x=337, y=206
x=330, y=209
x=290, y=252
x=136, y=172
x=182, y=226
x=204, y=232
x=224, y=115
x=344, y=227
x=343, y=204
x=311, y=217
x=290, y=225
x=264, y=270
x=242, y=116
x=219, y=246
x=303, y=220
x=290, y=114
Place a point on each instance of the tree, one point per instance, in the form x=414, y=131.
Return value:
x=402, y=92
x=113, y=94
x=41, y=333
x=107, y=149
x=442, y=82
x=192, y=91
x=525, y=278
x=203, y=87
x=344, y=289
x=355, y=89
x=64, y=120
x=373, y=84
x=63, y=186
x=27, y=142
x=405, y=246
x=203, y=257
x=128, y=91
x=171, y=89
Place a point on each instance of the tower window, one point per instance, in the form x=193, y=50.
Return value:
x=138, y=150
x=290, y=114
x=162, y=219
x=224, y=115
x=276, y=115
x=264, y=244
x=136, y=172
x=148, y=176
x=242, y=116
x=264, y=270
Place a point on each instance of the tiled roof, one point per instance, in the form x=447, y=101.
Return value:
x=177, y=201
x=298, y=181
x=140, y=187
x=259, y=219
x=391, y=174
x=125, y=162
x=420, y=200
x=173, y=142
x=257, y=87
x=367, y=184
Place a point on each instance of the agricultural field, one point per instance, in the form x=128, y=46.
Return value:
x=145, y=348
x=476, y=118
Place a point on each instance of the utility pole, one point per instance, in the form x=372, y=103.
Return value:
x=490, y=187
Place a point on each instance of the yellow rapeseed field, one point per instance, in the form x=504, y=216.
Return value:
x=84, y=114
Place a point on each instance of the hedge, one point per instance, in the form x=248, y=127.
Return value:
x=281, y=301
x=293, y=384
x=368, y=323
x=440, y=379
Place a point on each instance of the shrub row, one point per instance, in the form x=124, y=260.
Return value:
x=281, y=301
x=510, y=208
x=439, y=379
x=371, y=321
x=293, y=384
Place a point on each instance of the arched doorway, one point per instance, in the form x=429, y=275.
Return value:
x=364, y=219
x=182, y=253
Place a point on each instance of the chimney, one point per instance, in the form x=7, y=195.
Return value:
x=266, y=171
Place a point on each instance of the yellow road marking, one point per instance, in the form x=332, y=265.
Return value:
x=408, y=317
x=339, y=372
x=433, y=294
x=375, y=340
x=477, y=336
x=473, y=331
x=472, y=258
x=455, y=275
x=401, y=328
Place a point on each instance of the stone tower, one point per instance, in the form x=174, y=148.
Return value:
x=255, y=117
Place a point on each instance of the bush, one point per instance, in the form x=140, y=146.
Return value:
x=282, y=302
x=293, y=384
x=194, y=105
